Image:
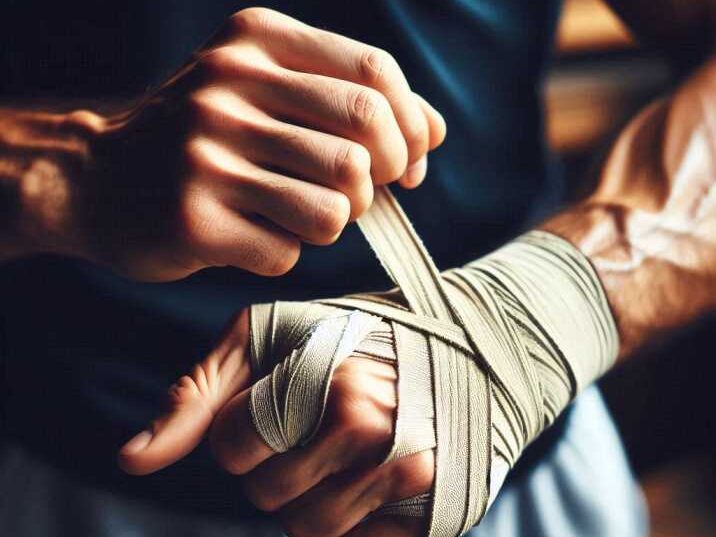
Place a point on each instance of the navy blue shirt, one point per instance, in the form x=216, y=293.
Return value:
x=88, y=355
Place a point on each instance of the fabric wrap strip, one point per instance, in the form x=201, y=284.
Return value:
x=487, y=356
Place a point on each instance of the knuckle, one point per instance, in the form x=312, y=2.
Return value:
x=77, y=116
x=362, y=200
x=213, y=108
x=218, y=60
x=353, y=164
x=360, y=423
x=375, y=65
x=227, y=461
x=393, y=165
x=358, y=415
x=366, y=107
x=417, y=137
x=83, y=120
x=200, y=104
x=371, y=427
x=195, y=154
x=236, y=61
x=251, y=20
x=186, y=388
x=277, y=261
x=192, y=155
x=331, y=215
x=413, y=475
x=353, y=172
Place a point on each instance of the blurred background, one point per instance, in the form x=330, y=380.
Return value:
x=664, y=408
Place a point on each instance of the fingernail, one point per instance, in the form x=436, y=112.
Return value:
x=137, y=444
x=416, y=171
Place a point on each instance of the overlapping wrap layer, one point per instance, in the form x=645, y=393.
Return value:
x=487, y=356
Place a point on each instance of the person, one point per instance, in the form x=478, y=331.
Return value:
x=272, y=135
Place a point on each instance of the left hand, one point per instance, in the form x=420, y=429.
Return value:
x=327, y=487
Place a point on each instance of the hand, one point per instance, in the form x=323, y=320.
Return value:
x=324, y=488
x=273, y=134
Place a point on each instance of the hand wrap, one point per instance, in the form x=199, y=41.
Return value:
x=487, y=356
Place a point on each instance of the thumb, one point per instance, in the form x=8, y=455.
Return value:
x=194, y=401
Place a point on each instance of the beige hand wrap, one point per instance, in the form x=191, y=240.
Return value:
x=487, y=356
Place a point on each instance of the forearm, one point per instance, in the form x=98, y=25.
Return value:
x=488, y=354
x=650, y=227
x=42, y=157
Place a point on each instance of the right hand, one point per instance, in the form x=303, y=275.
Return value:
x=273, y=134
x=327, y=487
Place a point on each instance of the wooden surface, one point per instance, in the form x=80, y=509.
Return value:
x=599, y=79
x=586, y=102
x=589, y=26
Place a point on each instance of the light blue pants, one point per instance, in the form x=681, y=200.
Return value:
x=583, y=486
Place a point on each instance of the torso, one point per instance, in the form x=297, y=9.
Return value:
x=108, y=346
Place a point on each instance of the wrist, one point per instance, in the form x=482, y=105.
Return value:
x=649, y=227
x=597, y=231
x=656, y=277
x=44, y=160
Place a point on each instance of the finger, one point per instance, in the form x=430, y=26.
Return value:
x=311, y=212
x=336, y=56
x=390, y=526
x=350, y=436
x=415, y=174
x=319, y=158
x=327, y=160
x=304, y=48
x=354, y=428
x=345, y=109
x=214, y=233
x=237, y=446
x=285, y=476
x=193, y=401
x=218, y=236
x=342, y=501
x=314, y=213
x=301, y=47
x=333, y=106
x=307, y=154
x=300, y=209
x=436, y=123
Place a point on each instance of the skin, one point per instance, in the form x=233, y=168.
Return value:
x=273, y=134
x=649, y=228
x=232, y=115
x=650, y=231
